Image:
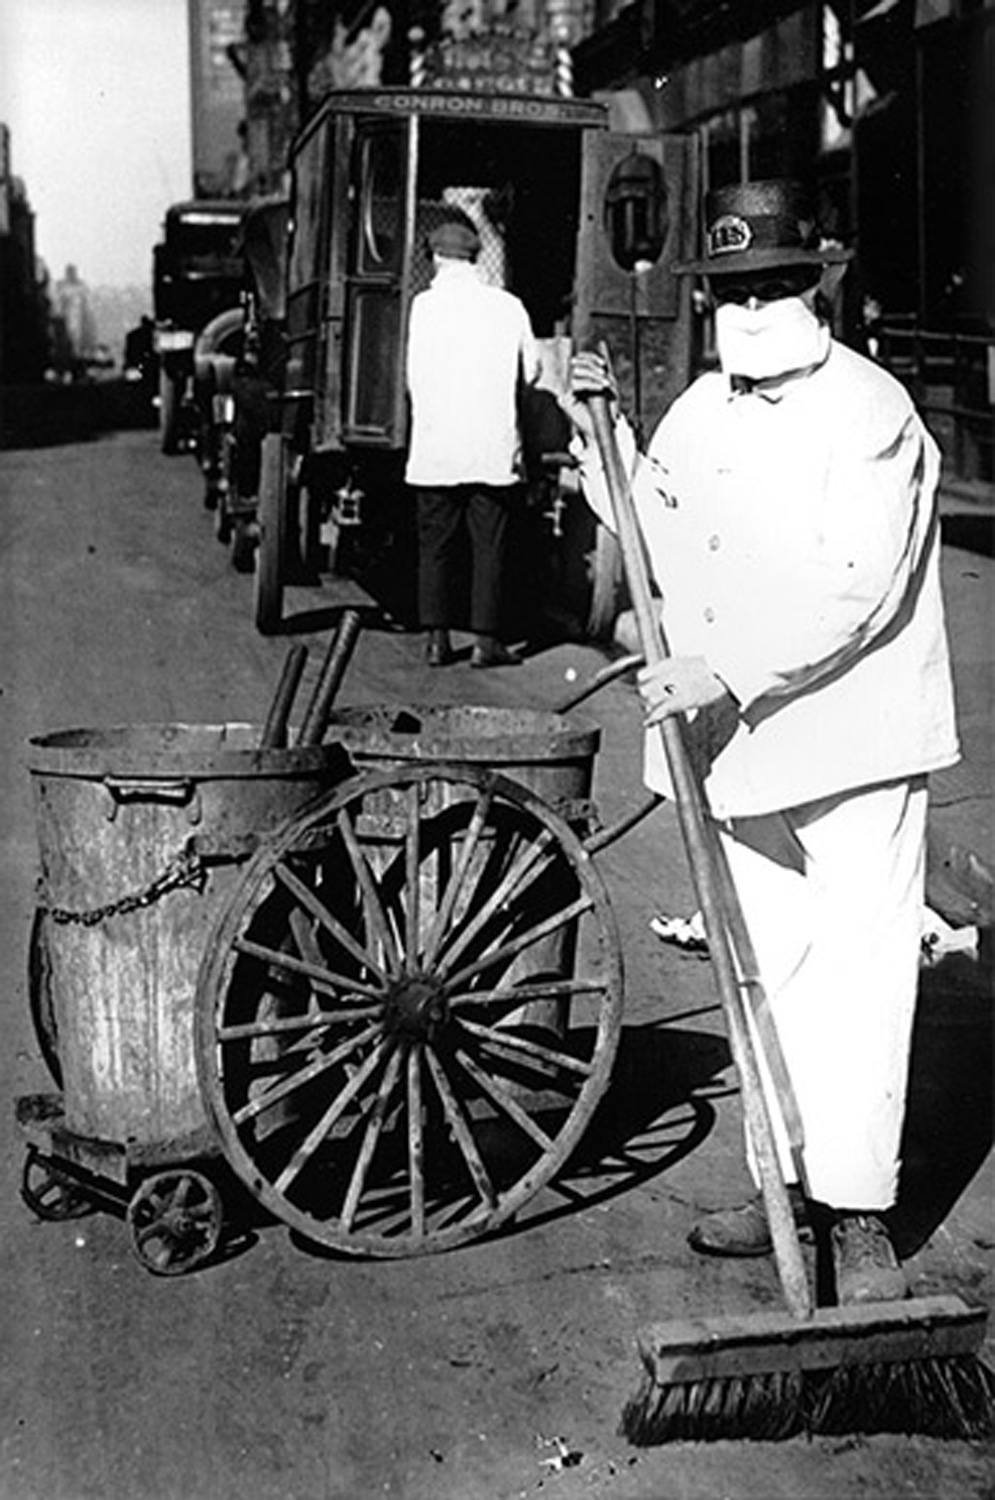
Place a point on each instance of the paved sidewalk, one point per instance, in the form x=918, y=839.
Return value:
x=967, y=497
x=962, y=818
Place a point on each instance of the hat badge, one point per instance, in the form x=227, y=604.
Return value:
x=729, y=234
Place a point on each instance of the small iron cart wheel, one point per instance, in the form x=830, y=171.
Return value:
x=271, y=551
x=175, y=1219
x=409, y=1009
x=49, y=1193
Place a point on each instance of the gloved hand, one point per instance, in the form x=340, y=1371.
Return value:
x=589, y=376
x=677, y=685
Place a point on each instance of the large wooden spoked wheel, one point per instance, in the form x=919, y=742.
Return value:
x=409, y=1010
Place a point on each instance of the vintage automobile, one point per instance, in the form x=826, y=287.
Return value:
x=238, y=379
x=197, y=275
x=580, y=222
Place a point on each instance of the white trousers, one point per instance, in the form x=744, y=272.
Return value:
x=832, y=896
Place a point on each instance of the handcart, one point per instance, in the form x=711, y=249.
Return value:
x=377, y=979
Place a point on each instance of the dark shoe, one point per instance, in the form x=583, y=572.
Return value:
x=494, y=656
x=437, y=654
x=867, y=1268
x=744, y=1230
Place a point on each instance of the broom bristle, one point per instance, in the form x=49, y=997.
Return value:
x=952, y=1397
x=766, y=1408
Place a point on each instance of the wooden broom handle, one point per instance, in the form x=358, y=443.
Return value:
x=714, y=894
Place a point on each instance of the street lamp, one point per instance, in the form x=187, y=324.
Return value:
x=636, y=220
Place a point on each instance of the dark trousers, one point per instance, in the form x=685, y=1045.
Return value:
x=443, y=513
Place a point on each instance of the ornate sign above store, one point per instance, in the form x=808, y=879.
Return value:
x=504, y=60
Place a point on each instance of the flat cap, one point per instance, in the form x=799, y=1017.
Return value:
x=456, y=239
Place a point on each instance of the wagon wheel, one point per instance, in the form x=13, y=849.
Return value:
x=243, y=544
x=49, y=1193
x=223, y=525
x=224, y=487
x=308, y=564
x=175, y=1219
x=409, y=1010
x=169, y=412
x=223, y=521
x=40, y=997
x=271, y=550
x=209, y=455
x=606, y=584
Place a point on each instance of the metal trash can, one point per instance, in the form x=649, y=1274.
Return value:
x=141, y=833
x=551, y=755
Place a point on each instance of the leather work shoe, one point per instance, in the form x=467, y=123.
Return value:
x=494, y=656
x=867, y=1268
x=744, y=1230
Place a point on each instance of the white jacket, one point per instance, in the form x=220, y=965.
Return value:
x=469, y=345
x=795, y=540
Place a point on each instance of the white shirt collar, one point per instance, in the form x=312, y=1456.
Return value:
x=456, y=270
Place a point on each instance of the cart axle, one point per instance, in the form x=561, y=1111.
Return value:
x=416, y=1008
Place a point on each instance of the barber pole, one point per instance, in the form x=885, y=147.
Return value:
x=416, y=63
x=564, y=63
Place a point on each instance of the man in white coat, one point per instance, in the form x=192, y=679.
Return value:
x=470, y=348
x=788, y=503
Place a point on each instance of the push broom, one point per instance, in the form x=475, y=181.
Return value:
x=910, y=1366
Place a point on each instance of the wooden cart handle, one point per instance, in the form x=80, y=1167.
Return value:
x=274, y=735
x=340, y=649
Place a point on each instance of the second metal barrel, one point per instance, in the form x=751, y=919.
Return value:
x=546, y=752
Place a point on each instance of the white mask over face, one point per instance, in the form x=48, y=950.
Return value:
x=772, y=339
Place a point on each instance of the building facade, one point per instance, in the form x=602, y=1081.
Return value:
x=24, y=308
x=217, y=97
x=886, y=107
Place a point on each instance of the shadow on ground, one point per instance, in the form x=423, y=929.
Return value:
x=949, y=1120
x=971, y=533
x=329, y=617
x=659, y=1107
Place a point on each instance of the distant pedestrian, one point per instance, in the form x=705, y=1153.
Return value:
x=72, y=309
x=470, y=348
